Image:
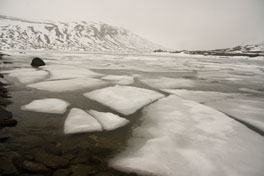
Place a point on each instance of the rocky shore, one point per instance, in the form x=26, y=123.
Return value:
x=244, y=51
x=29, y=151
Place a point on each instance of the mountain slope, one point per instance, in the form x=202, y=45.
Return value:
x=75, y=36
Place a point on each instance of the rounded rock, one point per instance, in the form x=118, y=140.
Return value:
x=37, y=62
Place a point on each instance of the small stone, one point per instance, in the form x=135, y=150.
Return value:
x=29, y=157
x=62, y=172
x=79, y=159
x=103, y=174
x=37, y=62
x=31, y=175
x=52, y=161
x=35, y=167
x=81, y=170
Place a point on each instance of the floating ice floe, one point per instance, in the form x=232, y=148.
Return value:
x=124, y=99
x=201, y=96
x=247, y=109
x=68, y=85
x=168, y=83
x=109, y=121
x=250, y=90
x=47, y=105
x=180, y=137
x=79, y=121
x=69, y=72
x=119, y=79
x=28, y=75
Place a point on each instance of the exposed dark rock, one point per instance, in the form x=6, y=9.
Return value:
x=8, y=123
x=62, y=172
x=4, y=137
x=35, y=167
x=52, y=161
x=37, y=62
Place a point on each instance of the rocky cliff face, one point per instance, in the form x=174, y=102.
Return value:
x=74, y=36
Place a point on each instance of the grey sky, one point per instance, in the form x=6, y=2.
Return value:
x=175, y=24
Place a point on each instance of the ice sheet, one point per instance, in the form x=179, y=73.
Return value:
x=179, y=137
x=250, y=90
x=109, y=121
x=168, y=83
x=250, y=110
x=124, y=99
x=119, y=79
x=79, y=121
x=28, y=75
x=201, y=96
x=68, y=85
x=47, y=105
x=69, y=72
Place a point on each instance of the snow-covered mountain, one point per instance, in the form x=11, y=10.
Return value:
x=74, y=36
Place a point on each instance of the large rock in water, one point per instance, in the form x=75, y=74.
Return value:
x=37, y=62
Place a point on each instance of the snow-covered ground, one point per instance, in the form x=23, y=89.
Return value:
x=189, y=108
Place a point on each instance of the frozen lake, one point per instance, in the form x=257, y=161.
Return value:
x=145, y=114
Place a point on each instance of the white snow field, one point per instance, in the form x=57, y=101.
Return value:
x=47, y=105
x=120, y=79
x=109, y=121
x=168, y=83
x=79, y=121
x=27, y=75
x=124, y=99
x=180, y=137
x=69, y=84
x=246, y=109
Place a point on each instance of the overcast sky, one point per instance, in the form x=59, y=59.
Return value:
x=175, y=24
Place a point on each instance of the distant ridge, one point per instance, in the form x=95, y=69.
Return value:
x=24, y=34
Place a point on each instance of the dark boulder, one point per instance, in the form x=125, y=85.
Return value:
x=8, y=123
x=37, y=62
